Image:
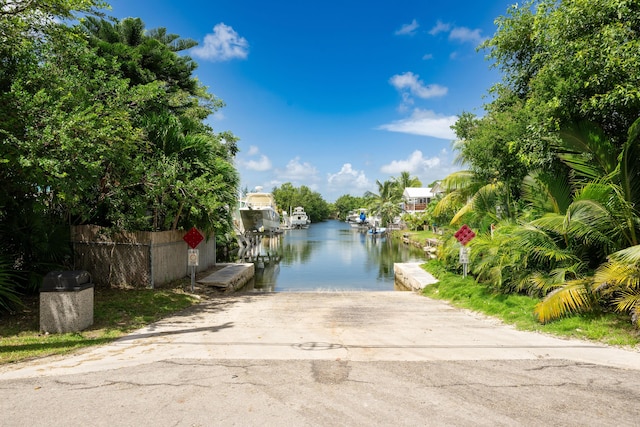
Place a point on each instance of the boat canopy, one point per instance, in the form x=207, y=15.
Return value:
x=257, y=200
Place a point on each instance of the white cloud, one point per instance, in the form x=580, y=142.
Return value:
x=223, y=45
x=262, y=164
x=427, y=56
x=440, y=27
x=297, y=171
x=415, y=164
x=458, y=34
x=425, y=123
x=349, y=180
x=427, y=170
x=464, y=35
x=408, y=29
x=411, y=82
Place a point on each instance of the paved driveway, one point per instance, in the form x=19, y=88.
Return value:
x=356, y=358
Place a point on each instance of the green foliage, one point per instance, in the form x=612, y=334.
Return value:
x=554, y=161
x=346, y=203
x=102, y=123
x=385, y=203
x=9, y=297
x=572, y=61
x=619, y=279
x=415, y=221
x=517, y=310
x=289, y=197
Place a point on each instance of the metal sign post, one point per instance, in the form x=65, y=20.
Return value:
x=464, y=236
x=193, y=260
x=464, y=260
x=193, y=239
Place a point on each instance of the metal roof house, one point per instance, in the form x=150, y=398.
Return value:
x=416, y=199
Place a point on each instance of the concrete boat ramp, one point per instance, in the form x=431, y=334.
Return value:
x=230, y=277
x=326, y=359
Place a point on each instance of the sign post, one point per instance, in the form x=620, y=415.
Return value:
x=464, y=236
x=193, y=239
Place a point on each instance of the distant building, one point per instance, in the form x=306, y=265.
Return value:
x=415, y=200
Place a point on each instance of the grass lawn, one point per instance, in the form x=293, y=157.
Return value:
x=116, y=313
x=420, y=235
x=517, y=310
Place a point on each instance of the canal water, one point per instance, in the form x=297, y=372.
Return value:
x=329, y=256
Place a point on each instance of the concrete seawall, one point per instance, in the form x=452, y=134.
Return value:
x=411, y=276
x=232, y=277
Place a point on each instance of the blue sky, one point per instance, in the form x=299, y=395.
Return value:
x=332, y=94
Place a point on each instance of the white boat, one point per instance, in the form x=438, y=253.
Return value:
x=377, y=231
x=361, y=221
x=259, y=213
x=285, y=221
x=299, y=218
x=354, y=217
x=358, y=218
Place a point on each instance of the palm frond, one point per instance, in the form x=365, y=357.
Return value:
x=546, y=282
x=450, y=202
x=551, y=222
x=586, y=150
x=630, y=172
x=622, y=271
x=629, y=255
x=547, y=193
x=482, y=204
x=458, y=180
x=590, y=222
x=627, y=300
x=541, y=246
x=467, y=208
x=575, y=296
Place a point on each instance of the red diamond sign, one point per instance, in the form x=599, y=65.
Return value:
x=464, y=234
x=193, y=238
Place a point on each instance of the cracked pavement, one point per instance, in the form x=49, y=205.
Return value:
x=334, y=358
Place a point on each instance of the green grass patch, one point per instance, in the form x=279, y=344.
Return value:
x=420, y=235
x=517, y=310
x=116, y=313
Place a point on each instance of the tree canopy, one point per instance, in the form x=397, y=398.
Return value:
x=102, y=122
x=289, y=197
x=553, y=161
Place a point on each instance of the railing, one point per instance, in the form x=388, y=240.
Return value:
x=414, y=207
x=254, y=205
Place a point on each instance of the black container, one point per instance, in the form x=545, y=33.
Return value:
x=65, y=281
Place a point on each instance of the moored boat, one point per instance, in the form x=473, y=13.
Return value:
x=259, y=213
x=285, y=221
x=299, y=218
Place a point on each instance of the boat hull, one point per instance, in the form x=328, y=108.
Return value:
x=260, y=220
x=299, y=218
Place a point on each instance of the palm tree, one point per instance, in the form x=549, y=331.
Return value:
x=405, y=180
x=471, y=199
x=386, y=203
x=602, y=221
x=619, y=279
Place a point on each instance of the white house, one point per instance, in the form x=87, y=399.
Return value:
x=416, y=199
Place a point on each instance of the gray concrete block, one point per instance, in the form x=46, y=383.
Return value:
x=62, y=312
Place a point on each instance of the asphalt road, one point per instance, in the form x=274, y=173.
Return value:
x=327, y=359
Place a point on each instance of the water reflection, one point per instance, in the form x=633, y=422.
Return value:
x=328, y=256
